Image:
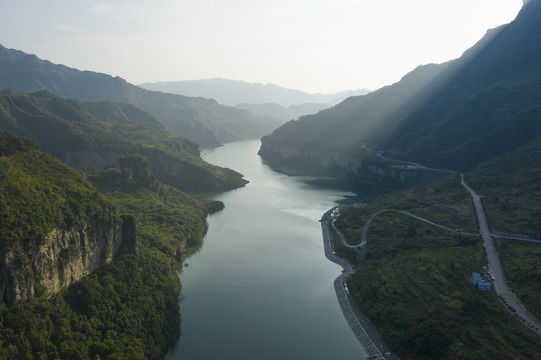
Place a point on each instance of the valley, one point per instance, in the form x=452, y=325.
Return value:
x=196, y=219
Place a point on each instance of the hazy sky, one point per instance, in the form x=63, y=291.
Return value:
x=311, y=45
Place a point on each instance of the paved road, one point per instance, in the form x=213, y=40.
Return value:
x=500, y=284
x=364, y=236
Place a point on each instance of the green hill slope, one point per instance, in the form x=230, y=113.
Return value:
x=127, y=308
x=39, y=193
x=67, y=130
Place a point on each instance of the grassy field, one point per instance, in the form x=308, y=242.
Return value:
x=511, y=191
x=444, y=202
x=512, y=217
x=521, y=261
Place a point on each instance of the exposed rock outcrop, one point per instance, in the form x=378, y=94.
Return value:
x=189, y=176
x=64, y=257
x=359, y=171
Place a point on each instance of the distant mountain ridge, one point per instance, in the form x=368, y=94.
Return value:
x=282, y=113
x=233, y=92
x=202, y=120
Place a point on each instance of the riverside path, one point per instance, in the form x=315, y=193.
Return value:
x=365, y=331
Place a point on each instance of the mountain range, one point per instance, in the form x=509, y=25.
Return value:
x=265, y=100
x=204, y=121
x=234, y=92
x=454, y=115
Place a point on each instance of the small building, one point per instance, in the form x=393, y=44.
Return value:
x=479, y=283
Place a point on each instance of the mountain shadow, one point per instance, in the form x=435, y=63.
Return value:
x=453, y=115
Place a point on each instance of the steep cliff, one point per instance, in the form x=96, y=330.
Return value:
x=68, y=131
x=358, y=168
x=64, y=257
x=54, y=225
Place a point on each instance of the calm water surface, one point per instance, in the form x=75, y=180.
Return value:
x=261, y=287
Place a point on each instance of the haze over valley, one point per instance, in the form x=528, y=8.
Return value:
x=260, y=99
x=292, y=214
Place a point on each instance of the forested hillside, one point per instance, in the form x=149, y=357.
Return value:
x=68, y=130
x=39, y=193
x=125, y=309
x=118, y=250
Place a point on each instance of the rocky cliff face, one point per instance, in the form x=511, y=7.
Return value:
x=185, y=174
x=337, y=164
x=63, y=258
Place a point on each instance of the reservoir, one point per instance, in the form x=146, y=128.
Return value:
x=260, y=287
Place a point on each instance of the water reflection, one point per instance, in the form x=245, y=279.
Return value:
x=260, y=287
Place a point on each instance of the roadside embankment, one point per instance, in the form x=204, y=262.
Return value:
x=362, y=328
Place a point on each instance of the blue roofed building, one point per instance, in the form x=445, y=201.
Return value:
x=479, y=283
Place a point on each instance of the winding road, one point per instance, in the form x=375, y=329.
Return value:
x=509, y=298
x=353, y=314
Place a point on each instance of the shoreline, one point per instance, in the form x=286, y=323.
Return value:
x=365, y=332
